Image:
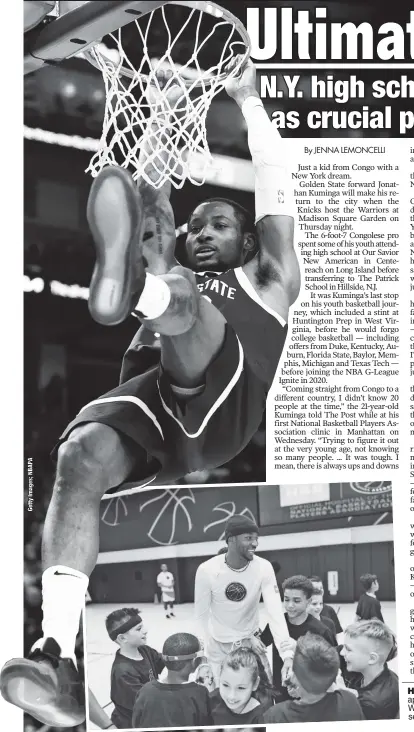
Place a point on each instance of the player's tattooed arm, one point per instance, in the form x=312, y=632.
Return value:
x=159, y=230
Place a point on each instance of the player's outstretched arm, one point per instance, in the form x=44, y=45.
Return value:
x=274, y=201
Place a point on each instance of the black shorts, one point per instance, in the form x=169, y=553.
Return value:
x=206, y=431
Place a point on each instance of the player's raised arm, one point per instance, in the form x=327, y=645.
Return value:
x=274, y=200
x=202, y=600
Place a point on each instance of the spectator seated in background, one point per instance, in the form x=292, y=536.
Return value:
x=314, y=670
x=368, y=606
x=134, y=664
x=368, y=645
x=174, y=701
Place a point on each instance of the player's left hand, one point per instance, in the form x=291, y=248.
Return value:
x=288, y=645
x=242, y=85
x=286, y=671
x=257, y=645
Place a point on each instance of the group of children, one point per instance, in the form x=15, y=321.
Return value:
x=334, y=676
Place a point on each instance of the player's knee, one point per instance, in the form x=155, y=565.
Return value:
x=77, y=462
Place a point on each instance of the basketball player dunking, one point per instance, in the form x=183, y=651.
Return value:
x=227, y=595
x=189, y=399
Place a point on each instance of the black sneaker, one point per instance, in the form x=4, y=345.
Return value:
x=46, y=686
x=172, y=615
x=115, y=216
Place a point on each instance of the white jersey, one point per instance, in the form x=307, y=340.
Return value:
x=227, y=601
x=165, y=581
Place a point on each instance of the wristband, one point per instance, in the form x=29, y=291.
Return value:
x=249, y=104
x=155, y=298
x=273, y=182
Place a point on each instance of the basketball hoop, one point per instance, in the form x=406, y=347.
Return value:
x=200, y=39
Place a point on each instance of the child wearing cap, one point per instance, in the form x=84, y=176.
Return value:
x=174, y=701
x=134, y=664
x=227, y=595
x=315, y=668
x=368, y=645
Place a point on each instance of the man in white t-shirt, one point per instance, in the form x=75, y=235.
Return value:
x=165, y=582
x=227, y=595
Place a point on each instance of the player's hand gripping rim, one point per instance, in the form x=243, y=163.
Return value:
x=242, y=84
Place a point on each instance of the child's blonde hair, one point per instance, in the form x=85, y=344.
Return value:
x=380, y=634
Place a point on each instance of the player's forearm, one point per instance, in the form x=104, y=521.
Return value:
x=280, y=634
x=264, y=140
x=159, y=240
x=202, y=631
x=201, y=613
x=202, y=604
x=273, y=180
x=96, y=714
x=277, y=622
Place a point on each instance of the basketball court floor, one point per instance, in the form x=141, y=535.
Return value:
x=101, y=650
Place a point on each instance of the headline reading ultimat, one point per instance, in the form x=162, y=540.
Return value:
x=309, y=35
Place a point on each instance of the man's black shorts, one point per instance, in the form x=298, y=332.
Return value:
x=182, y=437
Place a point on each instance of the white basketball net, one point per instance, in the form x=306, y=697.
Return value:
x=140, y=117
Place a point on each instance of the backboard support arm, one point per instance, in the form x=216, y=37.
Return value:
x=77, y=29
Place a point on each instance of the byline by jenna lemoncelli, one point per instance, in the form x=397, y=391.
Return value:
x=30, y=484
